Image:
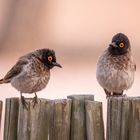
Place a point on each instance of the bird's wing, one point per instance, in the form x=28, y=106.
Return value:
x=15, y=70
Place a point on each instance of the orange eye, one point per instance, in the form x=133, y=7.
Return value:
x=121, y=45
x=50, y=58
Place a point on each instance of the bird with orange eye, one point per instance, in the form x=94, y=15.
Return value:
x=119, y=45
x=52, y=62
x=116, y=66
x=49, y=60
x=31, y=73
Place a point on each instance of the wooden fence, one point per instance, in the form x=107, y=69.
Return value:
x=0, y=111
x=78, y=117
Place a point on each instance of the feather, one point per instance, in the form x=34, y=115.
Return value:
x=15, y=70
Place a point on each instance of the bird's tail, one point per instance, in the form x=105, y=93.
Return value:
x=1, y=81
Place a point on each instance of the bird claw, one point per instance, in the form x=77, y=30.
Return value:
x=24, y=103
x=34, y=101
x=108, y=96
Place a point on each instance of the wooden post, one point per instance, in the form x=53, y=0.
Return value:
x=1, y=104
x=60, y=120
x=11, y=119
x=134, y=133
x=48, y=120
x=78, y=118
x=123, y=118
x=34, y=123
x=94, y=120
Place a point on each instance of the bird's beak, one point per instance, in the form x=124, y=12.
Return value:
x=56, y=64
x=113, y=44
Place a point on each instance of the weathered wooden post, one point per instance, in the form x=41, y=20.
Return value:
x=34, y=123
x=60, y=120
x=134, y=133
x=94, y=120
x=1, y=104
x=78, y=118
x=11, y=119
x=48, y=120
x=123, y=118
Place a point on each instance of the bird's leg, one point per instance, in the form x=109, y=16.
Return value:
x=108, y=94
x=35, y=100
x=118, y=94
x=23, y=101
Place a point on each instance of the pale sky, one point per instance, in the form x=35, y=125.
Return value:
x=90, y=23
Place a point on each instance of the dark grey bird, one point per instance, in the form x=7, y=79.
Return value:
x=116, y=66
x=31, y=73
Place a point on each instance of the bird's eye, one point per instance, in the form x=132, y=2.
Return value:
x=50, y=58
x=121, y=45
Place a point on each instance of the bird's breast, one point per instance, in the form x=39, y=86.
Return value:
x=33, y=78
x=115, y=73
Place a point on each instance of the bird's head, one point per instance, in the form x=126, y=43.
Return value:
x=120, y=44
x=48, y=57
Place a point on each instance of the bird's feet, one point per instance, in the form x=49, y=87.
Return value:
x=115, y=94
x=24, y=103
x=119, y=95
x=108, y=94
x=35, y=100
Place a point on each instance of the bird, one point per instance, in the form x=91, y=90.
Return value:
x=31, y=73
x=116, y=66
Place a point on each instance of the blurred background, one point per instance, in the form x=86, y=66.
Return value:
x=78, y=30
